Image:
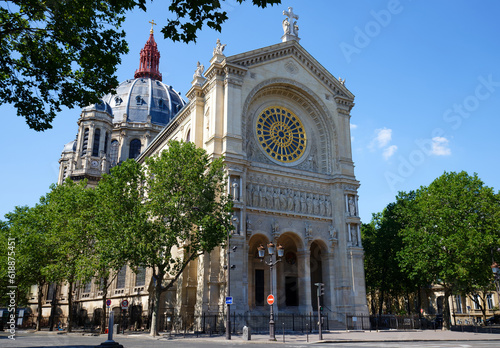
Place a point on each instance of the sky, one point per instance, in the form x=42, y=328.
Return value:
x=425, y=74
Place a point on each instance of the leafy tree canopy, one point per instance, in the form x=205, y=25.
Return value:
x=59, y=53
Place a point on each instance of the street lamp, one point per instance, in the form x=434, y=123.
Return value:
x=496, y=274
x=271, y=250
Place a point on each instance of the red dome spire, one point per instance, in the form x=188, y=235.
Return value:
x=150, y=60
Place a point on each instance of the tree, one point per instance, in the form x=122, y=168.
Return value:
x=71, y=214
x=65, y=53
x=33, y=252
x=185, y=212
x=120, y=213
x=382, y=242
x=451, y=232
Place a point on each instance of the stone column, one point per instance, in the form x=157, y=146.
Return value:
x=304, y=271
x=329, y=280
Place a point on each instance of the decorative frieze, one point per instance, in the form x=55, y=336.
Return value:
x=288, y=200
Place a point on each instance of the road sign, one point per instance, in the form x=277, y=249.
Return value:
x=124, y=304
x=229, y=299
x=270, y=299
x=108, y=302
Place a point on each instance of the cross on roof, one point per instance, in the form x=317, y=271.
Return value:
x=152, y=23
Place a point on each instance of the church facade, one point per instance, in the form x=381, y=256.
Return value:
x=282, y=123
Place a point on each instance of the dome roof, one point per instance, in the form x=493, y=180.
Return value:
x=70, y=147
x=141, y=97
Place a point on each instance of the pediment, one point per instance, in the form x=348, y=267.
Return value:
x=292, y=49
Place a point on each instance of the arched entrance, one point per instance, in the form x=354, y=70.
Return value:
x=258, y=274
x=287, y=272
x=317, y=266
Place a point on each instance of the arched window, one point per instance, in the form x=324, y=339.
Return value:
x=95, y=146
x=85, y=141
x=113, y=153
x=140, y=278
x=135, y=148
x=106, y=139
x=120, y=277
x=188, y=136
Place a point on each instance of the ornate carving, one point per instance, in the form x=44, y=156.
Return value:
x=200, y=68
x=219, y=48
x=290, y=26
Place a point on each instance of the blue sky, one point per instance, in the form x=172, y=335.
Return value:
x=426, y=76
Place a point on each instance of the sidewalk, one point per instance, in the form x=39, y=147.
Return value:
x=341, y=337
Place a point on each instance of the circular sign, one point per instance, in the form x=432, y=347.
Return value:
x=270, y=299
x=281, y=134
x=108, y=302
x=124, y=304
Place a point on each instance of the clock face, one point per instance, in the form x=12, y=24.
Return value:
x=281, y=134
x=94, y=163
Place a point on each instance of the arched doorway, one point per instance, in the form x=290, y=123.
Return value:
x=287, y=273
x=316, y=266
x=258, y=274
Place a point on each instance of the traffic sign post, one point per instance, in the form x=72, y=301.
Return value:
x=108, y=303
x=124, y=304
x=229, y=300
x=270, y=300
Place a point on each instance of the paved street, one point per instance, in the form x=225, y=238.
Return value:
x=386, y=339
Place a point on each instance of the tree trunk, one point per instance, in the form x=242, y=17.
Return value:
x=53, y=308
x=381, y=303
x=155, y=319
x=70, y=305
x=103, y=316
x=40, y=308
x=446, y=310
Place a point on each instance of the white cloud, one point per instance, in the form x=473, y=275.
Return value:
x=354, y=126
x=382, y=137
x=440, y=146
x=389, y=151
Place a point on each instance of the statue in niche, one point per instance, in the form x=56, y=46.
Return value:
x=309, y=204
x=289, y=200
x=276, y=198
x=316, y=204
x=275, y=226
x=322, y=209
x=249, y=224
x=235, y=190
x=262, y=197
x=296, y=202
x=354, y=235
x=303, y=204
x=249, y=194
x=328, y=205
x=269, y=198
x=282, y=200
x=236, y=224
x=352, y=206
x=332, y=231
x=219, y=48
x=255, y=196
x=308, y=228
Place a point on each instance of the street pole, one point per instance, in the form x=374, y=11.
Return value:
x=319, y=316
x=272, y=336
x=228, y=313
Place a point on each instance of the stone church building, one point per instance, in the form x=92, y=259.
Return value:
x=282, y=122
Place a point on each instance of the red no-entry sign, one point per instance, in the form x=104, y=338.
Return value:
x=270, y=299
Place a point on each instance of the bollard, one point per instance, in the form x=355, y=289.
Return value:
x=307, y=333
x=283, y=332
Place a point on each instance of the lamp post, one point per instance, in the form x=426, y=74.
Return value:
x=271, y=263
x=496, y=274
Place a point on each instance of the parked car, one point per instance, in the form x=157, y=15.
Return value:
x=493, y=320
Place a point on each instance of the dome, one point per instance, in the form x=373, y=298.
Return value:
x=70, y=147
x=142, y=97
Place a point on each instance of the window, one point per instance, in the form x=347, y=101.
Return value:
x=140, y=278
x=188, y=136
x=120, y=277
x=85, y=141
x=113, y=154
x=97, y=138
x=135, y=148
x=87, y=287
x=458, y=301
x=106, y=139
x=138, y=100
x=489, y=301
x=476, y=301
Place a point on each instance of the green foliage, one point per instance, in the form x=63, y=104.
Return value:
x=65, y=53
x=454, y=226
x=191, y=15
